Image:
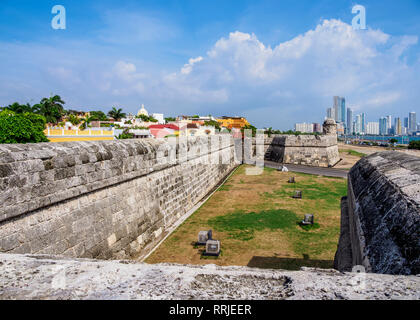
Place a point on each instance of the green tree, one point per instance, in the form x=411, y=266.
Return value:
x=98, y=116
x=414, y=145
x=21, y=127
x=170, y=119
x=393, y=140
x=51, y=108
x=74, y=120
x=212, y=123
x=251, y=127
x=85, y=122
x=116, y=114
x=126, y=135
x=146, y=118
x=20, y=108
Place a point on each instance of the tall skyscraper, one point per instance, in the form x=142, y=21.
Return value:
x=343, y=110
x=358, y=126
x=336, y=103
x=363, y=120
x=406, y=122
x=349, y=127
x=397, y=127
x=389, y=123
x=339, y=109
x=412, y=122
x=383, y=126
x=330, y=113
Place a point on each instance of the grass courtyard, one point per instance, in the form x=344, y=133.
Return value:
x=257, y=221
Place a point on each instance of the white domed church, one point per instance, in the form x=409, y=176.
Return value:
x=143, y=111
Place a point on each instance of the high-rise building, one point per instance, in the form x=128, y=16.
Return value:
x=397, y=127
x=383, y=126
x=317, y=127
x=304, y=127
x=412, y=122
x=406, y=122
x=389, y=123
x=340, y=109
x=330, y=113
x=358, y=126
x=340, y=128
x=372, y=128
x=349, y=127
x=363, y=120
x=336, y=103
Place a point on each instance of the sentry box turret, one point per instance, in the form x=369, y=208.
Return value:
x=212, y=248
x=203, y=236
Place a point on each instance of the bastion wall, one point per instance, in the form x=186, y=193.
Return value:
x=104, y=199
x=380, y=217
x=309, y=150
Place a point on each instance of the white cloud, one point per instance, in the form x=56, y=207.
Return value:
x=303, y=74
x=291, y=82
x=188, y=67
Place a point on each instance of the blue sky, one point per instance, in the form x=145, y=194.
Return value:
x=276, y=62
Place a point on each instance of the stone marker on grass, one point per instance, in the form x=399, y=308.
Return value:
x=292, y=180
x=203, y=236
x=308, y=219
x=212, y=248
x=298, y=194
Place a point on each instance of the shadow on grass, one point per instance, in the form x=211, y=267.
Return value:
x=288, y=263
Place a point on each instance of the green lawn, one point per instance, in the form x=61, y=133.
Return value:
x=353, y=153
x=257, y=221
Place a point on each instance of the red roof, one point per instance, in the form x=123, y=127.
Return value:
x=163, y=126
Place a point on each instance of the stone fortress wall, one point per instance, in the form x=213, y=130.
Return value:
x=315, y=151
x=104, y=199
x=380, y=217
x=309, y=150
x=118, y=199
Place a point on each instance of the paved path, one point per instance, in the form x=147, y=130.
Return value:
x=328, y=172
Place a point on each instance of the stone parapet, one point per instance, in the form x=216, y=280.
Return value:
x=383, y=209
x=310, y=150
x=63, y=278
x=104, y=199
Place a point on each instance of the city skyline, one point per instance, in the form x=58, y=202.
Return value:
x=349, y=123
x=215, y=60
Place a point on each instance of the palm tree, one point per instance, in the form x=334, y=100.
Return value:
x=20, y=108
x=51, y=108
x=116, y=114
x=73, y=119
x=85, y=122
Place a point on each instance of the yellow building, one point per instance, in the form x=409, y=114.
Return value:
x=62, y=135
x=233, y=122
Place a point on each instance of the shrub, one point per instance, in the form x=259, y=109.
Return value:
x=126, y=135
x=414, y=145
x=21, y=128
